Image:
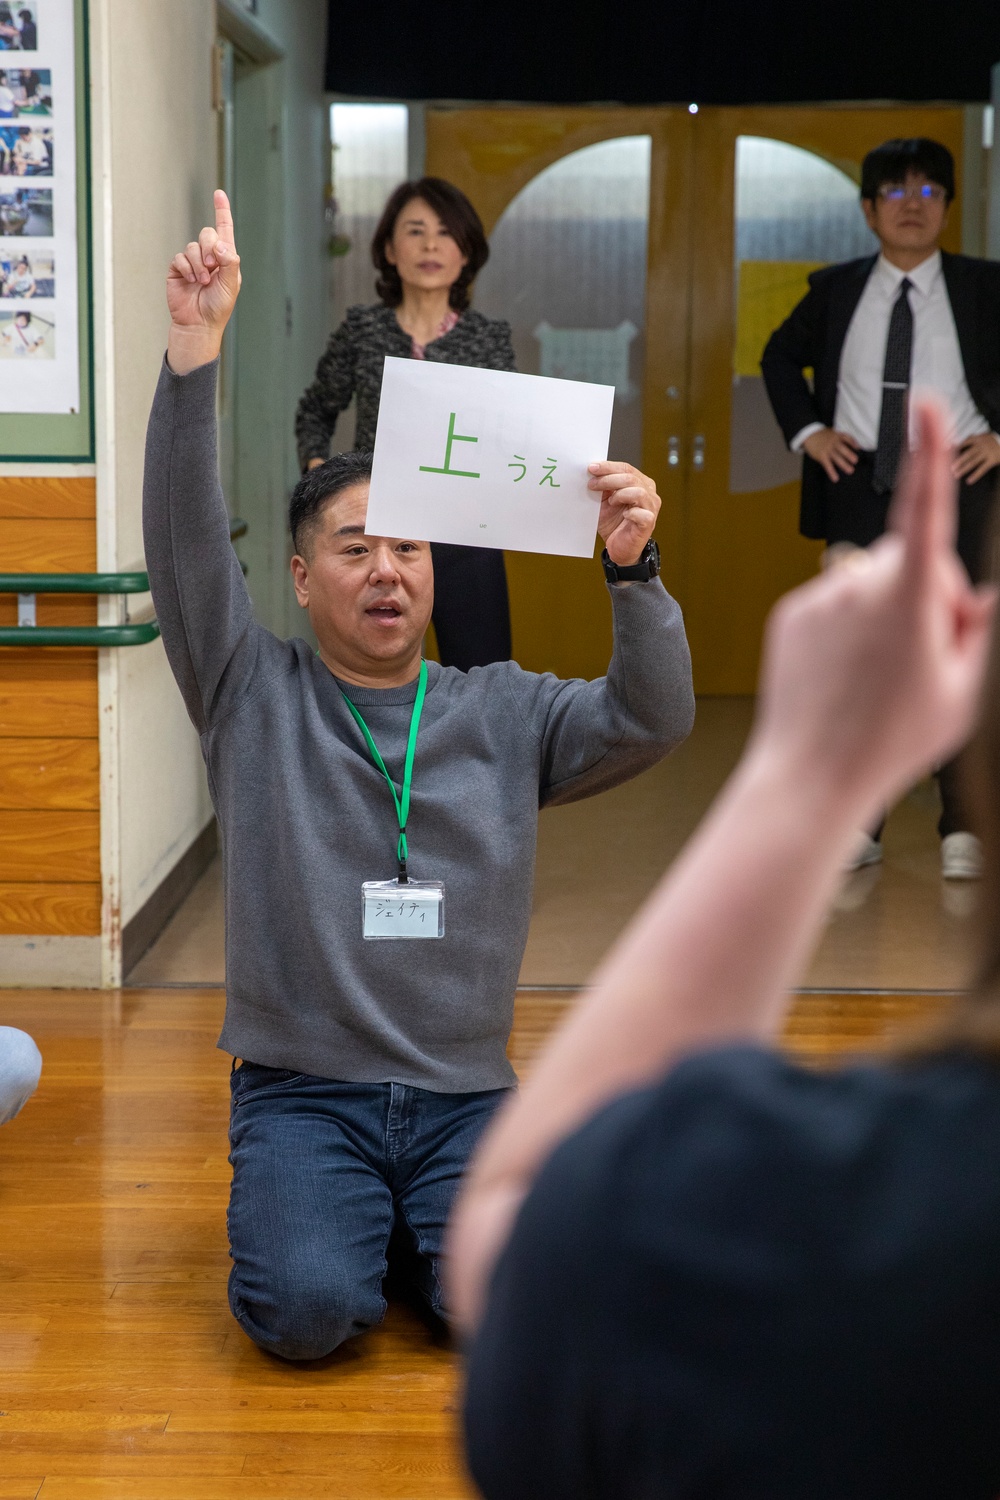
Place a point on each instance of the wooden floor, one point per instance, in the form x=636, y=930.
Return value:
x=122, y=1374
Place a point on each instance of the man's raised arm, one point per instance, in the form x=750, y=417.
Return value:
x=598, y=734
x=201, y=600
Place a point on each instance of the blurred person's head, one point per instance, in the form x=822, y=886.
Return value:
x=22, y=319
x=906, y=189
x=369, y=598
x=429, y=238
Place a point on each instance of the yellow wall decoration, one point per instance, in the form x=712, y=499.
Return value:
x=766, y=292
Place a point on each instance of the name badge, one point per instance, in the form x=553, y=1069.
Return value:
x=413, y=910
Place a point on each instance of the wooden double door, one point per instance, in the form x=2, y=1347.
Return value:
x=741, y=205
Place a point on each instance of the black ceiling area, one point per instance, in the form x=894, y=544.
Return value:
x=650, y=52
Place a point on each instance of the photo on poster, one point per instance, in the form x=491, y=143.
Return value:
x=19, y=26
x=25, y=91
x=26, y=151
x=26, y=335
x=26, y=211
x=26, y=273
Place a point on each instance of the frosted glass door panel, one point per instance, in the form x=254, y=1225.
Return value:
x=567, y=269
x=369, y=160
x=794, y=212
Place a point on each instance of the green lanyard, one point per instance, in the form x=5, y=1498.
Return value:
x=402, y=800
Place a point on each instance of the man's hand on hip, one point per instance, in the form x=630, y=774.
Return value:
x=629, y=507
x=976, y=457
x=203, y=283
x=837, y=452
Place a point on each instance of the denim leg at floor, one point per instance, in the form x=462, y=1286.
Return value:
x=322, y=1171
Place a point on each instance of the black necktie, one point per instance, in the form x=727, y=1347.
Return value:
x=895, y=384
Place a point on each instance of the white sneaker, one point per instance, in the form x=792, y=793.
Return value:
x=961, y=857
x=866, y=851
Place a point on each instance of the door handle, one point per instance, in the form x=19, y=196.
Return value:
x=673, y=452
x=698, y=457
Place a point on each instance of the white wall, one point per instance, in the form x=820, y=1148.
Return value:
x=154, y=168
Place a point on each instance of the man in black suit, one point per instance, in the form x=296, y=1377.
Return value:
x=869, y=329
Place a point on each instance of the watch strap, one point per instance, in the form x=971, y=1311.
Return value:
x=646, y=568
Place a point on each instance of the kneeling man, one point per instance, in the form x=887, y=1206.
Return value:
x=369, y=1068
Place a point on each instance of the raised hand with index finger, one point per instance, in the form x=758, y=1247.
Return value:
x=203, y=283
x=872, y=672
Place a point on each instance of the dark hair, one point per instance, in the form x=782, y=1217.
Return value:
x=456, y=213
x=891, y=161
x=319, y=485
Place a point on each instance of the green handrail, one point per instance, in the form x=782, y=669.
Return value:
x=132, y=633
x=73, y=583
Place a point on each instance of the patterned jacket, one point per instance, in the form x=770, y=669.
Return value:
x=352, y=366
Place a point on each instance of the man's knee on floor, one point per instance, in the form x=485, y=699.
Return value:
x=301, y=1318
x=20, y=1070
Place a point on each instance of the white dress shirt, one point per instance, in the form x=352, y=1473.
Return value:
x=936, y=360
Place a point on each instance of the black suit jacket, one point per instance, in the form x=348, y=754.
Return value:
x=813, y=336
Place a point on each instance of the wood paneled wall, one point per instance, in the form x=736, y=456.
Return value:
x=50, y=855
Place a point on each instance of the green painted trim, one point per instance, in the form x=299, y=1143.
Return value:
x=74, y=583
x=54, y=425
x=79, y=635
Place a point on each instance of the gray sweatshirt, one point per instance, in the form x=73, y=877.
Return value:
x=306, y=816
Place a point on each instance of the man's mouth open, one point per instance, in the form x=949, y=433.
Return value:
x=385, y=613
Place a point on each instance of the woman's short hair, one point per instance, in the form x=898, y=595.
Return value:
x=458, y=216
x=890, y=163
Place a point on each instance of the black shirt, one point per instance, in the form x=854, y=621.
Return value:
x=754, y=1282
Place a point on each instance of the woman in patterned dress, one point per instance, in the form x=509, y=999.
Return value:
x=427, y=250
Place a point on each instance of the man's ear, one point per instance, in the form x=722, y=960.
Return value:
x=300, y=580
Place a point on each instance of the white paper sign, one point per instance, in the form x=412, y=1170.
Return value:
x=485, y=458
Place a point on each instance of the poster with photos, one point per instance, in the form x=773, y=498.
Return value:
x=39, y=314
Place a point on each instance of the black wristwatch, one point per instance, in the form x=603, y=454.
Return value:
x=646, y=568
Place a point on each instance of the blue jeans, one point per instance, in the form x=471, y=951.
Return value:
x=322, y=1174
x=20, y=1070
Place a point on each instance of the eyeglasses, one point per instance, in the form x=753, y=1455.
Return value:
x=927, y=192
